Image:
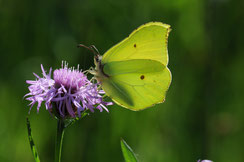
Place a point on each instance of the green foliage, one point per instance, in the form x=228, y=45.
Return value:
x=128, y=153
x=202, y=116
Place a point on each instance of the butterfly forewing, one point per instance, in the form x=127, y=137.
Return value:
x=147, y=42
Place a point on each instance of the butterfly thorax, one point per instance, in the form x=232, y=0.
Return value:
x=98, y=72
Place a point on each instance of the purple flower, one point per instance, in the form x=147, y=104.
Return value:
x=204, y=161
x=69, y=92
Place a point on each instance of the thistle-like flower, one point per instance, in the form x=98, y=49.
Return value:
x=204, y=161
x=68, y=94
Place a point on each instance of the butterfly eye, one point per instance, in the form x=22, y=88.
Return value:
x=96, y=58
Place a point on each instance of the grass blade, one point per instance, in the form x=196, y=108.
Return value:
x=32, y=144
x=128, y=153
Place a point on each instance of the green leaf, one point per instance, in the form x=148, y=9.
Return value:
x=128, y=153
x=32, y=144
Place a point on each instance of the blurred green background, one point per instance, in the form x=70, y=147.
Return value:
x=202, y=117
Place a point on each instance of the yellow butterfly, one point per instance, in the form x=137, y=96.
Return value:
x=134, y=72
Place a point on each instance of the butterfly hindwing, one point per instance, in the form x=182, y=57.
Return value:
x=136, y=84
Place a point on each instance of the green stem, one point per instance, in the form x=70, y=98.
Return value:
x=59, y=140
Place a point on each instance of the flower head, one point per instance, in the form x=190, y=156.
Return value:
x=204, y=161
x=69, y=92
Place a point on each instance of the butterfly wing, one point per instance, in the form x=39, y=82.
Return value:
x=149, y=41
x=134, y=72
x=136, y=84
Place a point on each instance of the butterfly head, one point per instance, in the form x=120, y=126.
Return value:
x=98, y=71
x=97, y=60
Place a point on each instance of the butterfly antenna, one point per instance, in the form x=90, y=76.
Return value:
x=91, y=48
x=94, y=48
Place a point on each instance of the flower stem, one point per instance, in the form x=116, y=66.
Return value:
x=59, y=140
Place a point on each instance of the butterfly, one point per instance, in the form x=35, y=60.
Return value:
x=134, y=72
